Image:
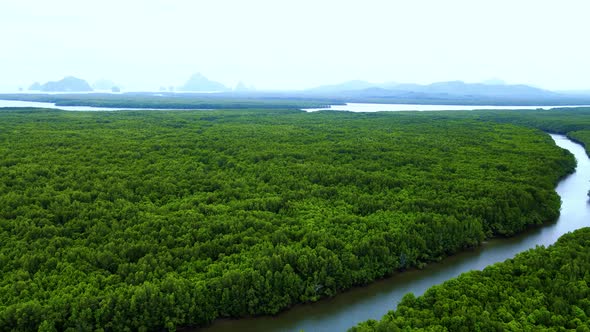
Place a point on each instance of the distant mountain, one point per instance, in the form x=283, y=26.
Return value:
x=479, y=89
x=200, y=83
x=444, y=90
x=576, y=92
x=66, y=84
x=35, y=87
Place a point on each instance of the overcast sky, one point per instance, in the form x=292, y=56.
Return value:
x=276, y=44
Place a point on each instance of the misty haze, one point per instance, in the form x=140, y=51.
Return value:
x=294, y=166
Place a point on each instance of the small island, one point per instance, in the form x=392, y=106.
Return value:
x=200, y=83
x=66, y=84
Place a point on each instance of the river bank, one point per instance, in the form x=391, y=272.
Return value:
x=373, y=301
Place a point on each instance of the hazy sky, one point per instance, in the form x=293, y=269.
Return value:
x=295, y=44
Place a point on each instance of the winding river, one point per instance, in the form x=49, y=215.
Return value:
x=373, y=301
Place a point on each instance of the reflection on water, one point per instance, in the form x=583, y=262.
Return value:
x=373, y=301
x=20, y=103
x=367, y=107
x=352, y=107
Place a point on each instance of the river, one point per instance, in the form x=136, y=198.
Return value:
x=351, y=107
x=371, y=107
x=373, y=301
x=21, y=103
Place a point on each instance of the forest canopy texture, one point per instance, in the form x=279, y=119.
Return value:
x=543, y=289
x=147, y=220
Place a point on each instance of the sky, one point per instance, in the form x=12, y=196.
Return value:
x=284, y=45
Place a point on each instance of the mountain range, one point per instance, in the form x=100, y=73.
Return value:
x=490, y=92
x=440, y=89
x=200, y=83
x=66, y=84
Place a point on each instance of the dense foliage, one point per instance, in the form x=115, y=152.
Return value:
x=581, y=136
x=167, y=100
x=293, y=99
x=559, y=120
x=573, y=122
x=145, y=220
x=538, y=290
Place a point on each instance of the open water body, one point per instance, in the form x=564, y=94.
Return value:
x=373, y=301
x=20, y=103
x=366, y=107
x=351, y=107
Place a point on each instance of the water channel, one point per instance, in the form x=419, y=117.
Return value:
x=350, y=107
x=373, y=301
x=372, y=107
